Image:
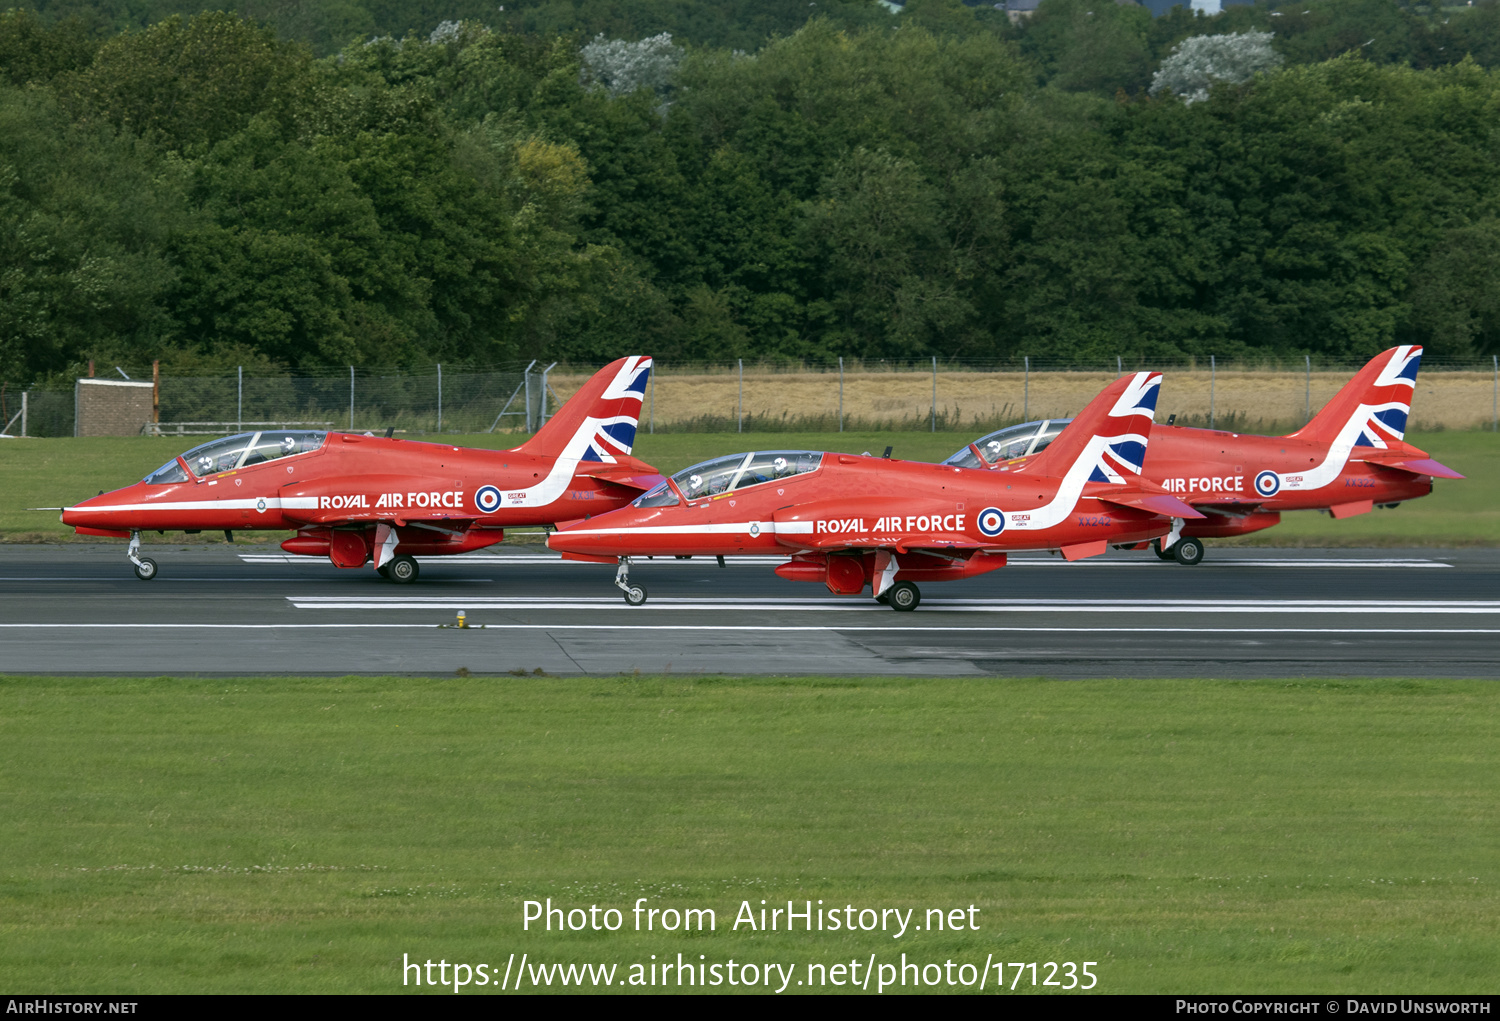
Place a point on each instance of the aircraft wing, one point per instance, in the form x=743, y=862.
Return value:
x=909, y=544
x=424, y=519
x=1227, y=508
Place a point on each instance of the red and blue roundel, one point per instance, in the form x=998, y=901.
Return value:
x=1267, y=483
x=487, y=499
x=991, y=522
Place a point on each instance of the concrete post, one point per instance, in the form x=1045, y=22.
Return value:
x=1213, y=373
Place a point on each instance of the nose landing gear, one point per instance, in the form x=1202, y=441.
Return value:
x=635, y=595
x=145, y=567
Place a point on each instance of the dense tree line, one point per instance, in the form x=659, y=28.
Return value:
x=563, y=180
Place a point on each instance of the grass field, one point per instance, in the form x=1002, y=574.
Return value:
x=302, y=835
x=55, y=472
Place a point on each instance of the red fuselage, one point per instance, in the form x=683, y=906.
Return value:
x=439, y=498
x=1211, y=469
x=841, y=502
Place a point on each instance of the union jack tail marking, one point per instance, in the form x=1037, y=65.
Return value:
x=1372, y=408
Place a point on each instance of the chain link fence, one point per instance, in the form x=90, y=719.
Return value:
x=739, y=396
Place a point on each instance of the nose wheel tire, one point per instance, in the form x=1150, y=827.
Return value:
x=903, y=596
x=1187, y=551
x=402, y=570
x=146, y=569
x=1162, y=554
x=635, y=595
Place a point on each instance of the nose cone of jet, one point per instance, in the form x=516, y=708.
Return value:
x=98, y=510
x=610, y=534
x=579, y=538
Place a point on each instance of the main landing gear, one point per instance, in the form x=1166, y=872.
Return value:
x=1186, y=551
x=402, y=570
x=902, y=596
x=145, y=567
x=635, y=595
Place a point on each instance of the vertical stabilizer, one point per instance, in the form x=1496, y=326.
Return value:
x=598, y=422
x=1372, y=408
x=1106, y=442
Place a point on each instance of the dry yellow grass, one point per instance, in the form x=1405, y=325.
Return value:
x=1251, y=400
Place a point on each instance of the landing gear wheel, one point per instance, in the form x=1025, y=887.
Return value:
x=384, y=572
x=903, y=596
x=402, y=570
x=1162, y=554
x=146, y=569
x=1187, y=551
x=884, y=599
x=635, y=595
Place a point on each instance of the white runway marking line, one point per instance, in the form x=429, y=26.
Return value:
x=1015, y=561
x=519, y=558
x=1065, y=606
x=780, y=628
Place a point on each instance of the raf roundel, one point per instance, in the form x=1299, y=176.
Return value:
x=991, y=522
x=487, y=499
x=1267, y=483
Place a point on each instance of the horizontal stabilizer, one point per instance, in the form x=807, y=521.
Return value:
x=634, y=480
x=1164, y=504
x=1419, y=466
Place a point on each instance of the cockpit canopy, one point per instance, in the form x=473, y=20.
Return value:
x=239, y=451
x=733, y=473
x=1010, y=442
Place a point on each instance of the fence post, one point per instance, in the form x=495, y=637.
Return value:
x=1119, y=366
x=740, y=411
x=239, y=400
x=542, y=407
x=1026, y=392
x=155, y=394
x=526, y=378
x=841, y=393
x=1307, y=395
x=440, y=396
x=654, y=369
x=351, y=398
x=1213, y=373
x=934, y=393
x=24, y=394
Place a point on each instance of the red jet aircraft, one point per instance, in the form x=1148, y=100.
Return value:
x=852, y=521
x=1349, y=459
x=356, y=498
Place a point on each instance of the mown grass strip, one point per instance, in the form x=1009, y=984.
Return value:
x=282, y=834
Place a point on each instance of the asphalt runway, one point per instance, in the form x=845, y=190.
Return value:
x=244, y=609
